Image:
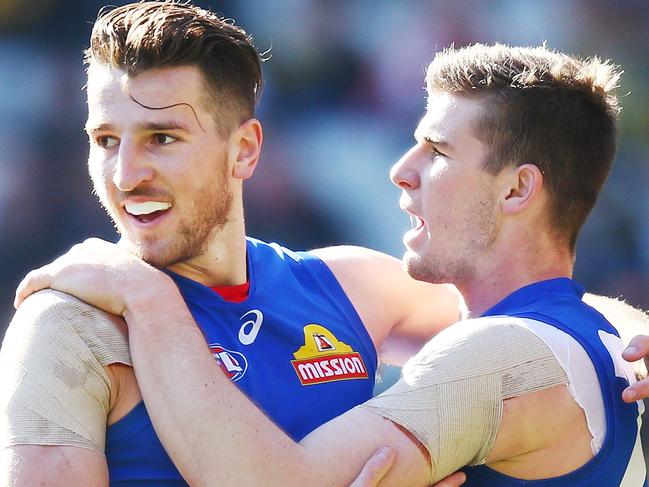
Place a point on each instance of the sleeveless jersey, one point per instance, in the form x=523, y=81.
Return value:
x=296, y=346
x=557, y=302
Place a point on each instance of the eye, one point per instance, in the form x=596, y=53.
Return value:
x=432, y=146
x=106, y=141
x=435, y=151
x=163, y=139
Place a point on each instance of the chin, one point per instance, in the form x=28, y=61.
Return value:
x=414, y=264
x=426, y=269
x=154, y=254
x=156, y=260
x=161, y=257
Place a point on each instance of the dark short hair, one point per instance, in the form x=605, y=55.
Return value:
x=141, y=36
x=551, y=109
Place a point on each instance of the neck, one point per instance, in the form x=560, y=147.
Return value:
x=223, y=263
x=508, y=272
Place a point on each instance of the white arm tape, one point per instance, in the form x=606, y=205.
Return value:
x=450, y=395
x=54, y=389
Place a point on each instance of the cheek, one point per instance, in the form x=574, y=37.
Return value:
x=441, y=192
x=100, y=174
x=439, y=169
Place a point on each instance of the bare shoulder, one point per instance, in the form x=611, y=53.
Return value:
x=387, y=299
x=351, y=255
x=354, y=265
x=540, y=419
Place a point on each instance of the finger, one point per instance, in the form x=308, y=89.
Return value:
x=98, y=244
x=375, y=468
x=454, y=480
x=32, y=282
x=637, y=349
x=96, y=241
x=639, y=390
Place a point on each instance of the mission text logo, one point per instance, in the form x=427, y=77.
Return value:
x=323, y=358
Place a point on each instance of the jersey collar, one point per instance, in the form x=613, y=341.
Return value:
x=561, y=286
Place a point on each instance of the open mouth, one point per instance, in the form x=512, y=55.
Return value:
x=147, y=211
x=416, y=222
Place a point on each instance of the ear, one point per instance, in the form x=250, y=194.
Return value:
x=246, y=142
x=522, y=186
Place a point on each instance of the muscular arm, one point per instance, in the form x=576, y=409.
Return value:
x=55, y=466
x=400, y=313
x=202, y=434
x=196, y=409
x=263, y=452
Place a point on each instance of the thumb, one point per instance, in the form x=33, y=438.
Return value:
x=32, y=282
x=375, y=468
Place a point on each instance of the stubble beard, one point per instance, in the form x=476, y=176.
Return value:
x=436, y=269
x=207, y=217
x=456, y=259
x=194, y=236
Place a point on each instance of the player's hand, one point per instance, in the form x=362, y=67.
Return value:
x=375, y=468
x=453, y=480
x=380, y=463
x=638, y=349
x=100, y=273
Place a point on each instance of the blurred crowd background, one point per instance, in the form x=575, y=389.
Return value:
x=343, y=93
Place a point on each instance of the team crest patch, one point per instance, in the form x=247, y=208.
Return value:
x=323, y=358
x=234, y=364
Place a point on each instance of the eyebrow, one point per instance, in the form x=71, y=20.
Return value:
x=436, y=141
x=431, y=138
x=180, y=104
x=423, y=132
x=142, y=127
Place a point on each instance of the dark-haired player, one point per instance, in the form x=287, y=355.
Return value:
x=171, y=98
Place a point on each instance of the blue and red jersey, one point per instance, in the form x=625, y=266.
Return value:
x=295, y=345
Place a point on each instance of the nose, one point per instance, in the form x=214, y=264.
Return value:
x=404, y=173
x=132, y=167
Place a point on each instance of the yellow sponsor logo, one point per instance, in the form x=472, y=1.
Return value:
x=323, y=358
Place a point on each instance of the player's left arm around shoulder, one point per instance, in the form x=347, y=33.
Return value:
x=333, y=446
x=388, y=300
x=201, y=417
x=213, y=433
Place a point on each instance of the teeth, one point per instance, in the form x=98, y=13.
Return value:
x=413, y=221
x=146, y=207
